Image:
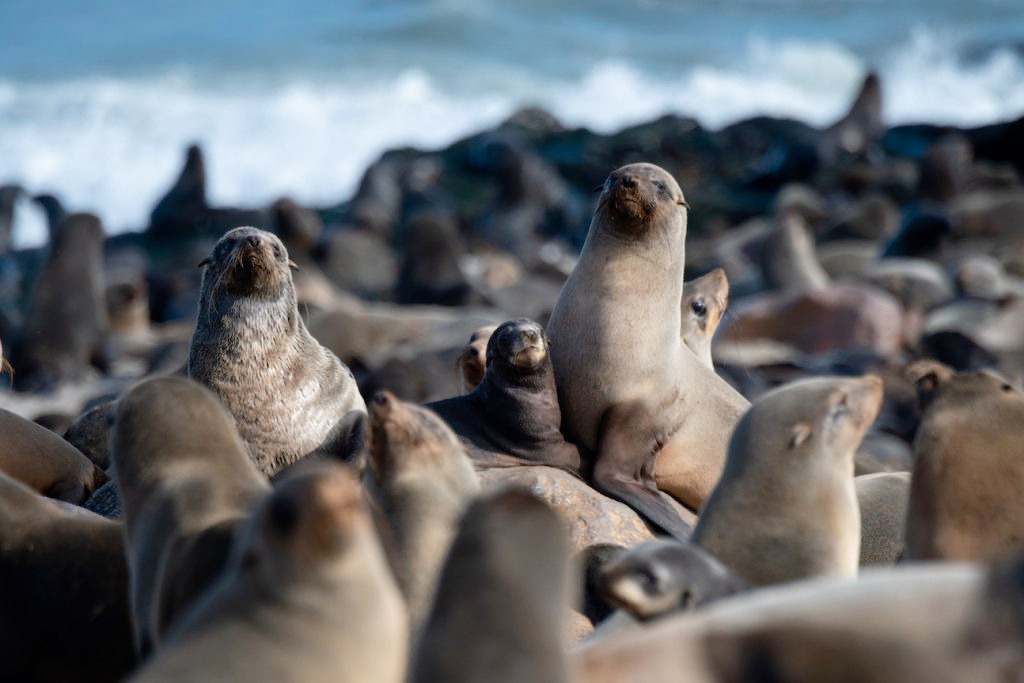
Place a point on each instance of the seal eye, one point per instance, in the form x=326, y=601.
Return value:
x=698, y=306
x=647, y=580
x=661, y=186
x=277, y=251
x=1007, y=388
x=839, y=410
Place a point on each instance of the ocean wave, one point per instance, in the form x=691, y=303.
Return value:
x=113, y=145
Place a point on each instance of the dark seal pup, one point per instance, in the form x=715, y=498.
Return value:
x=513, y=417
x=290, y=396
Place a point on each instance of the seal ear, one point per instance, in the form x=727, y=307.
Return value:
x=927, y=376
x=205, y=262
x=682, y=202
x=293, y=265
x=801, y=432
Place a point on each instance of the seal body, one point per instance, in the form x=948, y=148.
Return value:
x=473, y=361
x=786, y=507
x=44, y=462
x=968, y=472
x=421, y=480
x=513, y=417
x=882, y=498
x=617, y=350
x=64, y=592
x=306, y=596
x=185, y=483
x=289, y=396
x=66, y=323
x=501, y=598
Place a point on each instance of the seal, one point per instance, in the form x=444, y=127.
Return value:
x=704, y=301
x=46, y=463
x=472, y=361
x=968, y=473
x=66, y=323
x=290, y=397
x=501, y=599
x=306, y=596
x=64, y=591
x=628, y=386
x=786, y=508
x=421, y=480
x=513, y=417
x=663, y=576
x=882, y=498
x=185, y=483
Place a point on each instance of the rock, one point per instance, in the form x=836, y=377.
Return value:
x=590, y=517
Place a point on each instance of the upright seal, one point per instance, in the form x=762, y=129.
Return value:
x=513, y=417
x=290, y=397
x=786, y=507
x=628, y=386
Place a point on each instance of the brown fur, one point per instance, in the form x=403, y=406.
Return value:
x=786, y=508
x=306, y=596
x=422, y=480
x=289, y=396
x=616, y=341
x=63, y=592
x=501, y=599
x=968, y=471
x=44, y=462
x=473, y=361
x=185, y=482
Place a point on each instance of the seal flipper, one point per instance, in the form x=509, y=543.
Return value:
x=624, y=467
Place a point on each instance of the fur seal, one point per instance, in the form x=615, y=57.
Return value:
x=786, y=508
x=289, y=396
x=897, y=605
x=501, y=599
x=306, y=596
x=704, y=301
x=44, y=462
x=663, y=576
x=66, y=323
x=421, y=479
x=628, y=386
x=882, y=499
x=473, y=361
x=185, y=483
x=9, y=196
x=63, y=591
x=968, y=473
x=513, y=417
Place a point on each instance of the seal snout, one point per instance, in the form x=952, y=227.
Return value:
x=382, y=405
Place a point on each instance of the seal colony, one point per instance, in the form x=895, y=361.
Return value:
x=528, y=407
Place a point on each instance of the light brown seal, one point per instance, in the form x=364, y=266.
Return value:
x=421, y=480
x=501, y=599
x=44, y=462
x=66, y=323
x=473, y=360
x=786, y=508
x=185, y=483
x=620, y=363
x=307, y=596
x=63, y=591
x=290, y=397
x=968, y=472
x=704, y=301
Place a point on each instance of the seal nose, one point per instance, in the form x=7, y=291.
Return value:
x=531, y=335
x=628, y=181
x=382, y=398
x=254, y=240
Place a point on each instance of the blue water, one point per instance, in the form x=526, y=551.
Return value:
x=98, y=98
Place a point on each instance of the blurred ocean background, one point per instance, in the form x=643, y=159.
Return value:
x=99, y=97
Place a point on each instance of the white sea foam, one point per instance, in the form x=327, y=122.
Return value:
x=114, y=145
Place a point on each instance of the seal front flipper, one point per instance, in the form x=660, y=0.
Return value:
x=624, y=467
